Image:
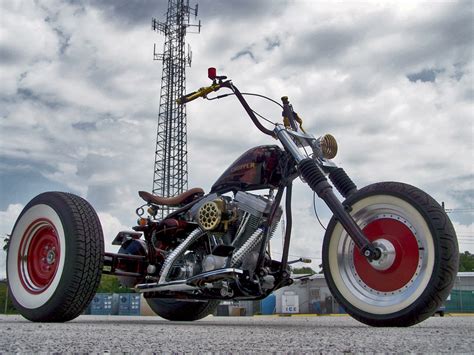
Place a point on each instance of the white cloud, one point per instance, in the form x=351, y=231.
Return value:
x=110, y=226
x=7, y=220
x=465, y=235
x=80, y=96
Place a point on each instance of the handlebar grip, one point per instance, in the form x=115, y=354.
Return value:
x=202, y=92
x=188, y=97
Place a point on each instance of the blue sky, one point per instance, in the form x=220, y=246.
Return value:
x=393, y=81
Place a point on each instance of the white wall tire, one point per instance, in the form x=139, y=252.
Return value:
x=418, y=268
x=55, y=257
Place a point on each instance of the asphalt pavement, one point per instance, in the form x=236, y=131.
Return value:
x=260, y=334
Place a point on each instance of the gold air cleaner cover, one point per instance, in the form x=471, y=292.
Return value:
x=210, y=214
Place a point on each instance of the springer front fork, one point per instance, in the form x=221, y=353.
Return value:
x=312, y=174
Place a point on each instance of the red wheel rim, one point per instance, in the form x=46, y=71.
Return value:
x=38, y=256
x=405, y=265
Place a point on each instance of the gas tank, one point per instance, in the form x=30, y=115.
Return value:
x=257, y=168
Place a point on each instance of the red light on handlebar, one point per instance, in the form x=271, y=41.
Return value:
x=212, y=73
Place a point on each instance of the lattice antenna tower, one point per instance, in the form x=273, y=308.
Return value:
x=171, y=166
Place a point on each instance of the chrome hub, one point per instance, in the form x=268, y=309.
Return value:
x=51, y=257
x=387, y=255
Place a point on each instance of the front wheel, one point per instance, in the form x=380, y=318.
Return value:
x=55, y=257
x=419, y=258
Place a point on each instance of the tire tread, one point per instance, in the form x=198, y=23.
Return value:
x=76, y=289
x=444, y=272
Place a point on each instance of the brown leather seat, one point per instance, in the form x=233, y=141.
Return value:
x=180, y=200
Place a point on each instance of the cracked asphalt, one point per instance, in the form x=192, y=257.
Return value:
x=264, y=334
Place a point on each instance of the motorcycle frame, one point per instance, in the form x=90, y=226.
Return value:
x=291, y=140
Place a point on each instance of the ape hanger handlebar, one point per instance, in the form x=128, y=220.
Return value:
x=291, y=134
x=219, y=82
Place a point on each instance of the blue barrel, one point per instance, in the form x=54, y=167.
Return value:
x=135, y=304
x=101, y=304
x=268, y=304
x=129, y=304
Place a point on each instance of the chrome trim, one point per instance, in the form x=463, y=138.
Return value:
x=214, y=275
x=345, y=258
x=253, y=240
x=175, y=253
x=387, y=256
x=302, y=136
x=290, y=140
x=287, y=140
x=179, y=285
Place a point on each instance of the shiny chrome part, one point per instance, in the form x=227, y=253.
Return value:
x=226, y=292
x=268, y=282
x=195, y=234
x=213, y=262
x=179, y=285
x=387, y=256
x=325, y=162
x=253, y=204
x=303, y=138
x=151, y=269
x=242, y=227
x=346, y=265
x=192, y=283
x=323, y=148
x=247, y=247
x=287, y=140
x=249, y=226
x=51, y=256
x=214, y=276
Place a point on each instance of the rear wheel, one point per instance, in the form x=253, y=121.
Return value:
x=181, y=310
x=55, y=257
x=419, y=258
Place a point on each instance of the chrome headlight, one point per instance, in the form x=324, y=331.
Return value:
x=328, y=146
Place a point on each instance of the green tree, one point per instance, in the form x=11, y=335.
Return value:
x=3, y=295
x=111, y=284
x=466, y=261
x=6, y=240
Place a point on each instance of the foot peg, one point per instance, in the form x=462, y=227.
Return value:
x=301, y=260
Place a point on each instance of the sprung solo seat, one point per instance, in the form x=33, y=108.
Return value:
x=176, y=201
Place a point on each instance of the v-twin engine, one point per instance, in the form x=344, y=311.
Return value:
x=235, y=228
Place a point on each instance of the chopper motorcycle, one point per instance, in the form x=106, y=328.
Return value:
x=390, y=253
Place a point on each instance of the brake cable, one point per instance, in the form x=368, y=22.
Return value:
x=315, y=211
x=250, y=94
x=263, y=96
x=263, y=118
x=246, y=94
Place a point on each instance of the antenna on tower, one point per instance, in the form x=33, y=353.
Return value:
x=170, y=176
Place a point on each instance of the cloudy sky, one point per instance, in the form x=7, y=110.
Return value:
x=393, y=81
